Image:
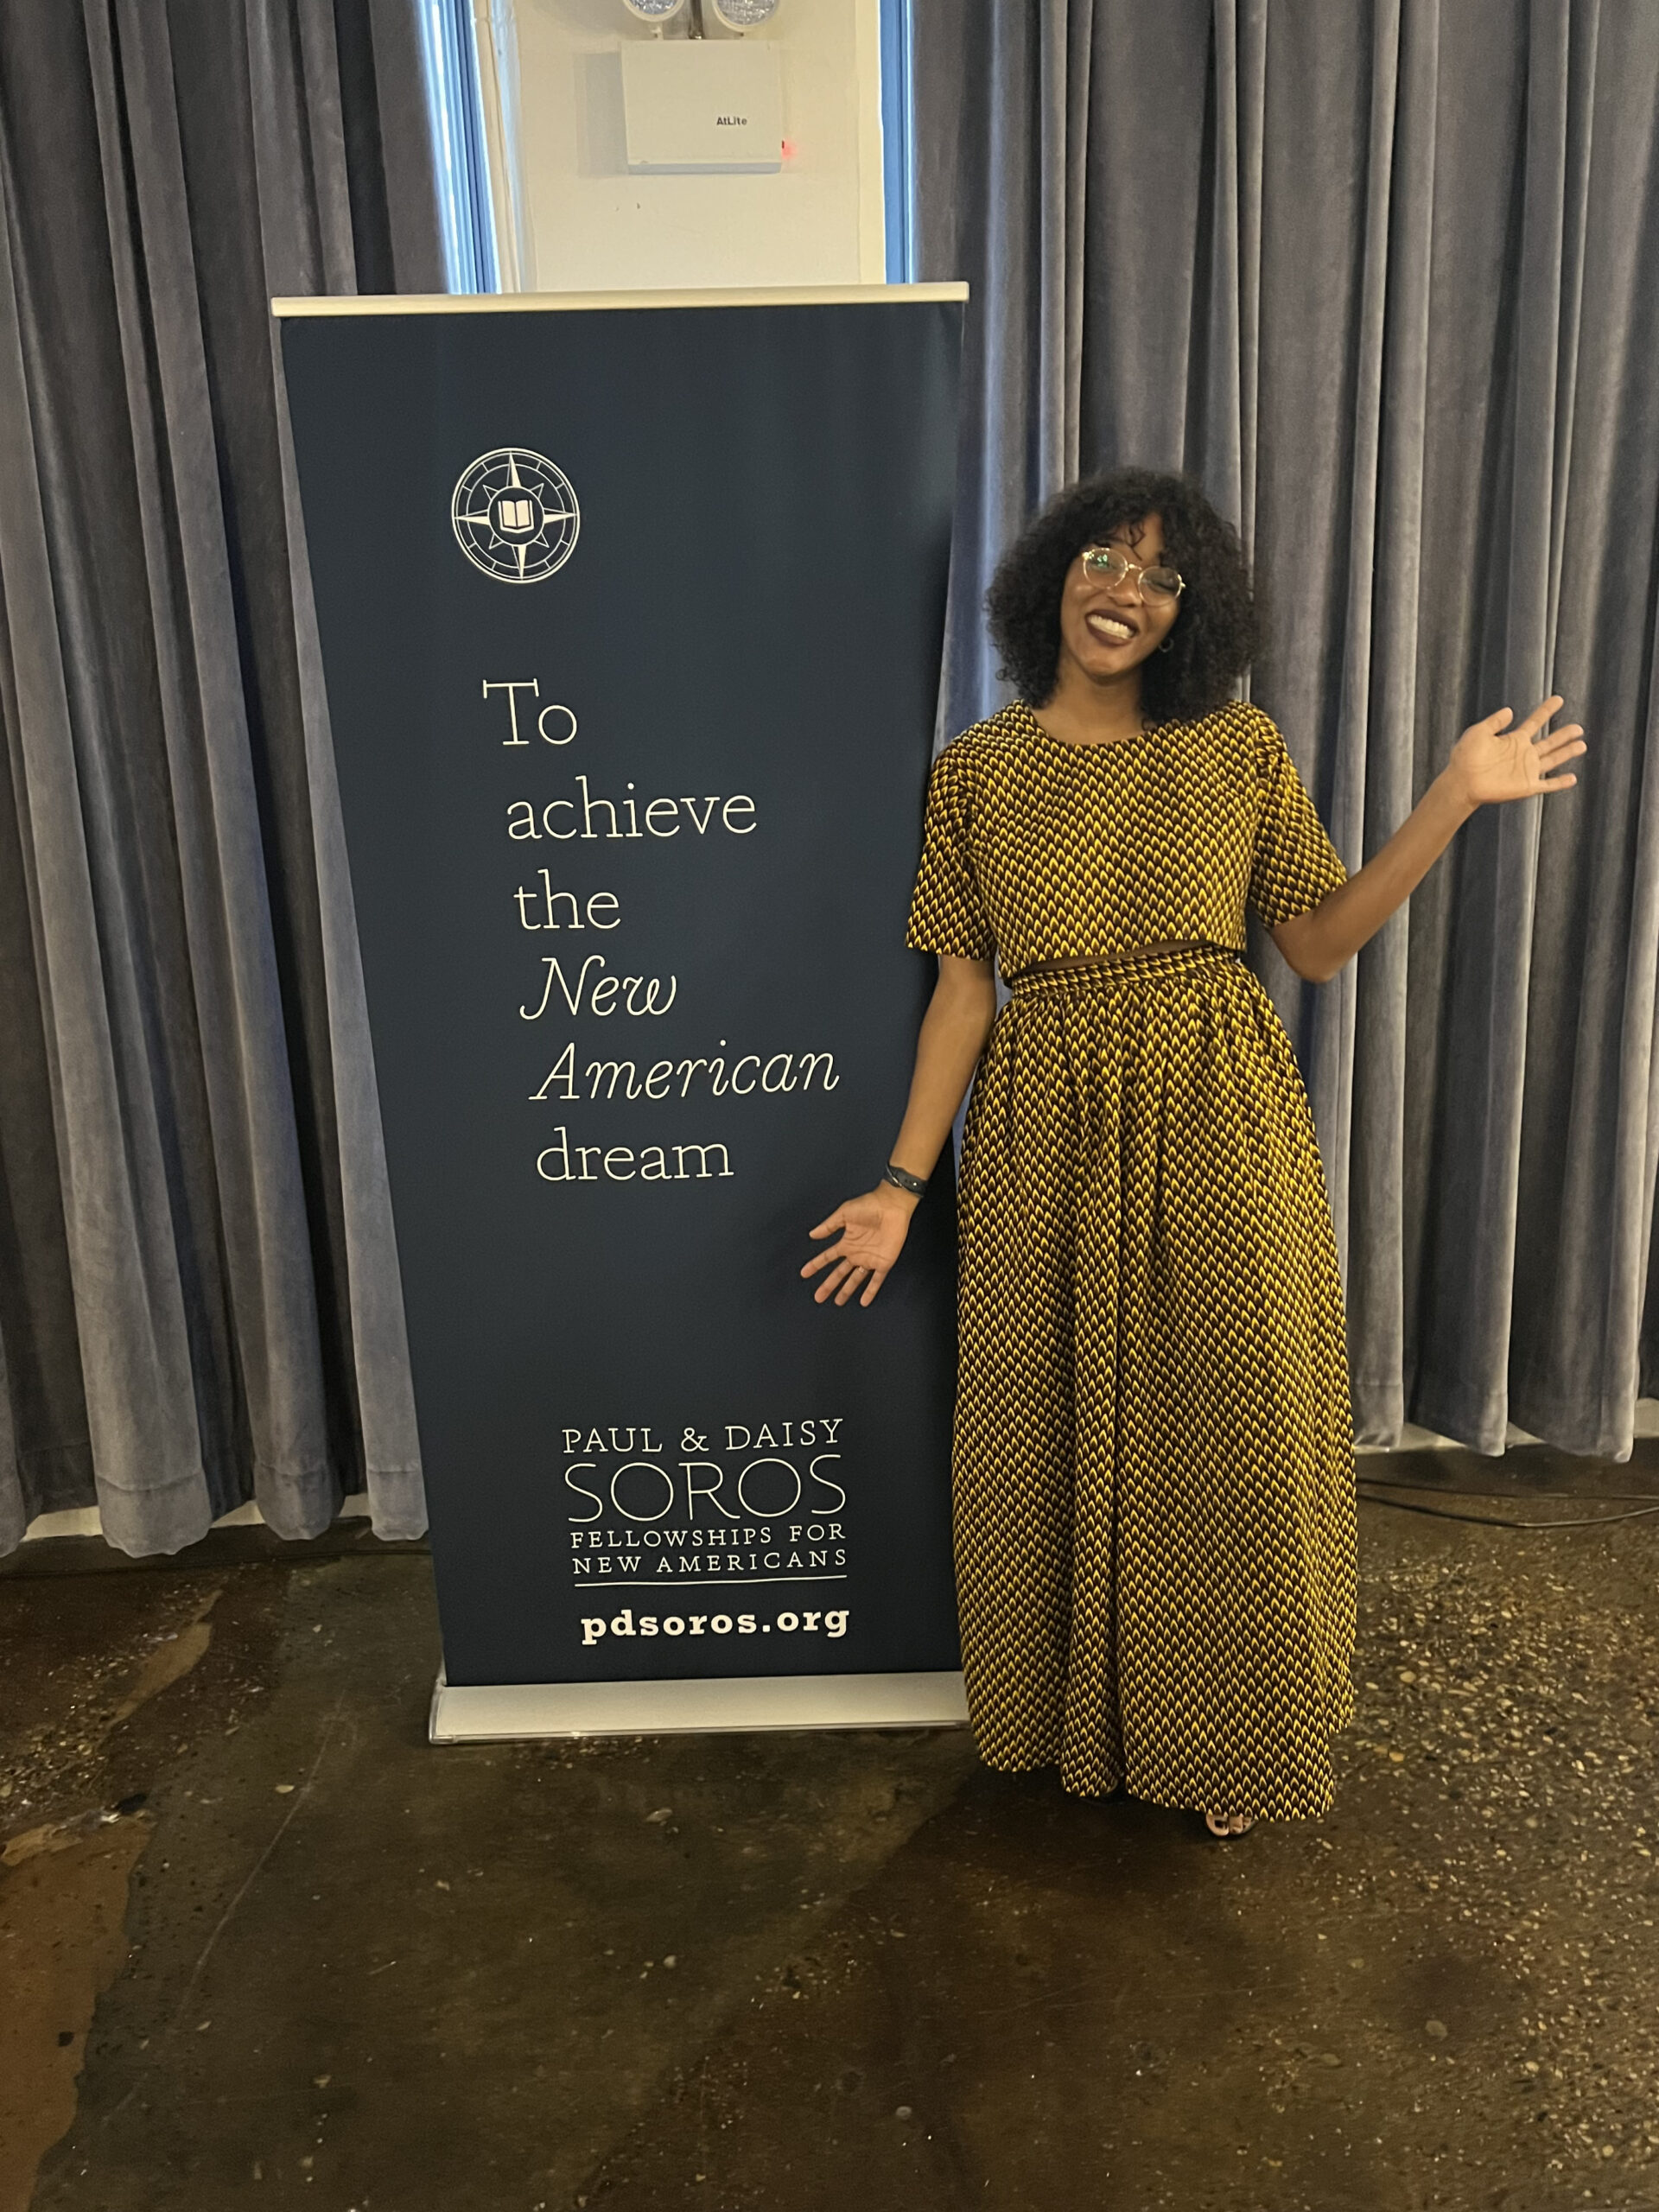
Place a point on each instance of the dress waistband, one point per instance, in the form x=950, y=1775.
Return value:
x=1179, y=953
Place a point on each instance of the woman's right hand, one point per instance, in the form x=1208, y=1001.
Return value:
x=873, y=1233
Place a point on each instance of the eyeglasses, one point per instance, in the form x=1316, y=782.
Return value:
x=1112, y=564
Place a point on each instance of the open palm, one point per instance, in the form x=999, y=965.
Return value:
x=1493, y=760
x=872, y=1231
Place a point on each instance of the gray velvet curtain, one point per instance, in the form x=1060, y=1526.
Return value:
x=1383, y=275
x=199, y=1298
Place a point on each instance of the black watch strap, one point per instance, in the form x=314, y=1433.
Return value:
x=902, y=1180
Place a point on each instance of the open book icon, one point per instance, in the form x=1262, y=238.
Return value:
x=517, y=514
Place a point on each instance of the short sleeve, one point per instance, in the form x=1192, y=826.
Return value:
x=946, y=915
x=1295, y=865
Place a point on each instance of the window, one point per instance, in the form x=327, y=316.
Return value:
x=465, y=219
x=897, y=142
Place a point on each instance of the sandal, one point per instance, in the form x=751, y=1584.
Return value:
x=1226, y=1825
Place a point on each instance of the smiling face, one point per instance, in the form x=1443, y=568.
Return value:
x=1107, y=628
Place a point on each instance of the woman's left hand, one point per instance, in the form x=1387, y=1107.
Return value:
x=1492, y=761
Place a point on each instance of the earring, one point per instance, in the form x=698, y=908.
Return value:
x=1168, y=645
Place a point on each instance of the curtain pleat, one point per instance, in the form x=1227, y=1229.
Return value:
x=1375, y=275
x=199, y=1299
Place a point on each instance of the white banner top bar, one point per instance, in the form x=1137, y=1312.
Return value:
x=796, y=295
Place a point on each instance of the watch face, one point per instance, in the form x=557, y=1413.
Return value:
x=515, y=515
x=744, y=14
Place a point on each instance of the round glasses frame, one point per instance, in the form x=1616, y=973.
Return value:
x=1112, y=562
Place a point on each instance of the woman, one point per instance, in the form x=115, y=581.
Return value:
x=1153, y=1472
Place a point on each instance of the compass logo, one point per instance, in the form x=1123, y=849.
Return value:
x=516, y=516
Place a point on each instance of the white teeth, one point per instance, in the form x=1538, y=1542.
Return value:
x=1117, y=632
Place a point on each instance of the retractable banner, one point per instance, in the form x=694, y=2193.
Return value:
x=631, y=610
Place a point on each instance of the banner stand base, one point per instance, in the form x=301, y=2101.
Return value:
x=499, y=1713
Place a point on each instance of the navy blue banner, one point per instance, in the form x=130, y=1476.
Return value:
x=630, y=623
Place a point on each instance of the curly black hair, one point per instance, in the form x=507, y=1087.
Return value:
x=1219, y=630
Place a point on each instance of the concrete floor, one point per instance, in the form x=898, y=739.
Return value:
x=262, y=1945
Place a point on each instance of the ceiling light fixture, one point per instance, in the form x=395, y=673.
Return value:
x=743, y=14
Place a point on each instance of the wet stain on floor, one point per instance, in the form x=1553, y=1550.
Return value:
x=63, y=1905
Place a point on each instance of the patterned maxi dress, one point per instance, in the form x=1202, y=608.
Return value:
x=1154, y=1474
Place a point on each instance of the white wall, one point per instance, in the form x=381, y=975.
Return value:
x=593, y=227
